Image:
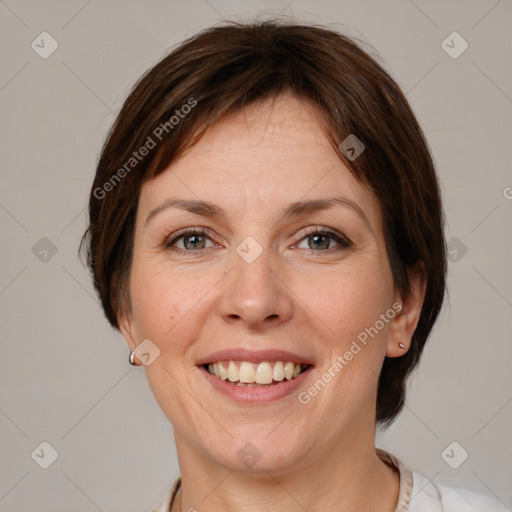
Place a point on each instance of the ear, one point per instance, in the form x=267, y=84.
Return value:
x=402, y=327
x=127, y=330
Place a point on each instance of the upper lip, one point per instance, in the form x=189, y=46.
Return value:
x=253, y=356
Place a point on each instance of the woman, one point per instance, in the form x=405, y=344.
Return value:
x=266, y=232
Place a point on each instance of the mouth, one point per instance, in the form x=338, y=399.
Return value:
x=247, y=383
x=255, y=377
x=251, y=375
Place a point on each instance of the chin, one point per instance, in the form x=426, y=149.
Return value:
x=259, y=452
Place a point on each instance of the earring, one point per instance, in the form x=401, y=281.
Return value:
x=401, y=345
x=131, y=358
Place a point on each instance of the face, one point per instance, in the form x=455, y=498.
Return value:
x=267, y=269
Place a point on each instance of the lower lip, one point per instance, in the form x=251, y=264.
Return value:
x=255, y=395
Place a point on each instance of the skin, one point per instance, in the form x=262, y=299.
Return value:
x=309, y=299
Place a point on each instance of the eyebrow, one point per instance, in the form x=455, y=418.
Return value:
x=295, y=209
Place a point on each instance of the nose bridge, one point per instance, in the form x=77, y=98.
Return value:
x=254, y=293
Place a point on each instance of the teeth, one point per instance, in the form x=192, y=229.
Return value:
x=255, y=374
x=288, y=370
x=222, y=372
x=264, y=374
x=246, y=372
x=233, y=372
x=278, y=371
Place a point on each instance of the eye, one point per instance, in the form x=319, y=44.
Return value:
x=321, y=238
x=192, y=240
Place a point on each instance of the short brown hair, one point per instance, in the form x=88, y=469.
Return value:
x=220, y=70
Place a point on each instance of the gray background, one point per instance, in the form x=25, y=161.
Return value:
x=65, y=378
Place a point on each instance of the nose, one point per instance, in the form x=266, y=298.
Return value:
x=256, y=294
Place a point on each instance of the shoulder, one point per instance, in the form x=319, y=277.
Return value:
x=165, y=503
x=427, y=496
x=419, y=494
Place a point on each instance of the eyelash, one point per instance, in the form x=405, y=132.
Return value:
x=344, y=242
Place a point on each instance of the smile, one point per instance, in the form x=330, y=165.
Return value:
x=247, y=374
x=252, y=392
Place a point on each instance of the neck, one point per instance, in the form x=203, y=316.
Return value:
x=347, y=476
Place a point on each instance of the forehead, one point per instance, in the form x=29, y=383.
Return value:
x=266, y=155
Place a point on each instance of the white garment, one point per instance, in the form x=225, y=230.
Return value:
x=416, y=494
x=429, y=497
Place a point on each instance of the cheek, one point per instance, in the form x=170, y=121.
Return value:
x=166, y=303
x=349, y=300
x=350, y=303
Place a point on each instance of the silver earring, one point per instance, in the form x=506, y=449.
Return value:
x=401, y=345
x=131, y=358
